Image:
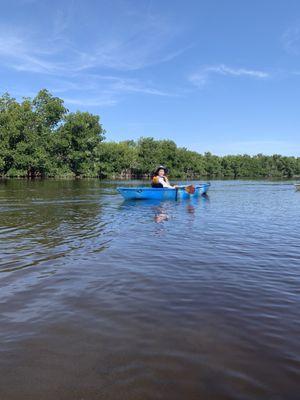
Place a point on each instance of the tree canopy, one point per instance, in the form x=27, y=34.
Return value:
x=39, y=137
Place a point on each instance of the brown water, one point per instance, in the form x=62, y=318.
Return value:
x=103, y=299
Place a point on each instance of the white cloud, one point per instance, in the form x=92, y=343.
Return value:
x=201, y=77
x=224, y=70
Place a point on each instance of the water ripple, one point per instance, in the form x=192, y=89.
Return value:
x=102, y=299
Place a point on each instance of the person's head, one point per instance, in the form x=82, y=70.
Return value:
x=161, y=171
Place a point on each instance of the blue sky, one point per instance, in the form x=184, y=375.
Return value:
x=213, y=75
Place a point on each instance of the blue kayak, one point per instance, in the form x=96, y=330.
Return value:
x=132, y=193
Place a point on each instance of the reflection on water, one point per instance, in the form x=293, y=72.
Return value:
x=106, y=299
x=161, y=215
x=163, y=210
x=45, y=221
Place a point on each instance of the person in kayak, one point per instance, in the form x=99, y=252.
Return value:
x=160, y=179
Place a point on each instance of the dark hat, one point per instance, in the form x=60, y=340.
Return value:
x=161, y=167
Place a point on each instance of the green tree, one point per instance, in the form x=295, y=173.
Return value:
x=49, y=109
x=212, y=165
x=148, y=152
x=77, y=141
x=117, y=159
x=25, y=134
x=39, y=137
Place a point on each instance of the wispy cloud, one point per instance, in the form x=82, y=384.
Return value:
x=133, y=85
x=72, y=76
x=142, y=40
x=108, y=83
x=102, y=67
x=102, y=90
x=291, y=39
x=18, y=53
x=202, y=76
x=91, y=102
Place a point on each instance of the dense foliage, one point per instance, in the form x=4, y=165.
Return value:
x=39, y=137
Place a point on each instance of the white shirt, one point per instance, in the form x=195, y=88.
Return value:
x=164, y=183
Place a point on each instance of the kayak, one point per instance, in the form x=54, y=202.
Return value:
x=144, y=193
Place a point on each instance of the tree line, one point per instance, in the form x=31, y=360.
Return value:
x=39, y=137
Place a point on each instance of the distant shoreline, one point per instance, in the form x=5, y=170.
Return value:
x=40, y=138
x=109, y=179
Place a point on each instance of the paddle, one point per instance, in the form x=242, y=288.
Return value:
x=190, y=189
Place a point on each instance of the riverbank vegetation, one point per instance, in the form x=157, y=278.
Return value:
x=40, y=138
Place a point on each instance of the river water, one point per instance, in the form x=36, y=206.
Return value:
x=105, y=299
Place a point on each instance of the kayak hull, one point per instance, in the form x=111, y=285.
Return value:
x=144, y=193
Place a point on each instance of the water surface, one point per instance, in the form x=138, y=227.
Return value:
x=105, y=299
